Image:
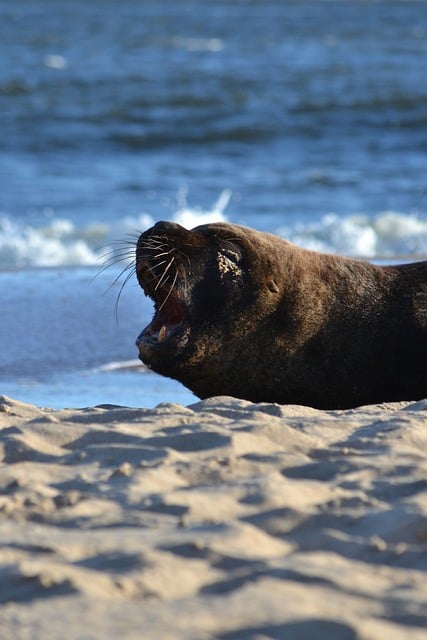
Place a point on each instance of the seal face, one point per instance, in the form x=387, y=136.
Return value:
x=244, y=313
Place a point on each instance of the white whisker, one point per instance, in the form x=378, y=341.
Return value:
x=126, y=280
x=162, y=279
x=170, y=290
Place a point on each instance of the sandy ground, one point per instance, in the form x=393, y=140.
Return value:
x=223, y=520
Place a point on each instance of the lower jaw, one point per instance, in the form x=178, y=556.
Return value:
x=148, y=354
x=156, y=359
x=161, y=342
x=164, y=357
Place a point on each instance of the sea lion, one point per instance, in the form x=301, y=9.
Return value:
x=248, y=314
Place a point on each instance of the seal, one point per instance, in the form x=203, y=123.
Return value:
x=244, y=313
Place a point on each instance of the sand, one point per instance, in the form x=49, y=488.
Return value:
x=222, y=520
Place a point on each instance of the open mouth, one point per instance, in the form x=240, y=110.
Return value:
x=170, y=310
x=167, y=321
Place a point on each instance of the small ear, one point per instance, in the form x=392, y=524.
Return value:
x=272, y=285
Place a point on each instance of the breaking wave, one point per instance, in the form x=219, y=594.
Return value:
x=387, y=235
x=62, y=242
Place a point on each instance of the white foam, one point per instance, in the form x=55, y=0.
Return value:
x=388, y=234
x=55, y=61
x=213, y=45
x=124, y=365
x=190, y=217
x=60, y=242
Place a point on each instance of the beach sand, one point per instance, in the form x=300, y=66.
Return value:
x=222, y=520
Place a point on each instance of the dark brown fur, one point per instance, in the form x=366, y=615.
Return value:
x=247, y=314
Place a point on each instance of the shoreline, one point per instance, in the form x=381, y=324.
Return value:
x=222, y=519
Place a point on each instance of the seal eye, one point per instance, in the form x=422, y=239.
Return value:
x=229, y=260
x=231, y=256
x=231, y=252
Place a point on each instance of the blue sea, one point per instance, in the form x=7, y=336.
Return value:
x=307, y=119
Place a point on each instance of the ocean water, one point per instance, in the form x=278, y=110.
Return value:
x=306, y=119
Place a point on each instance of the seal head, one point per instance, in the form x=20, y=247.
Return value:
x=244, y=313
x=198, y=281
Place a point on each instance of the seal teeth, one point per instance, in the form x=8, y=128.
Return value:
x=162, y=334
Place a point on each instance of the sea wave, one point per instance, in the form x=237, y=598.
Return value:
x=389, y=234
x=121, y=365
x=59, y=242
x=62, y=242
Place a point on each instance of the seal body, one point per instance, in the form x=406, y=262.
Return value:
x=244, y=313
